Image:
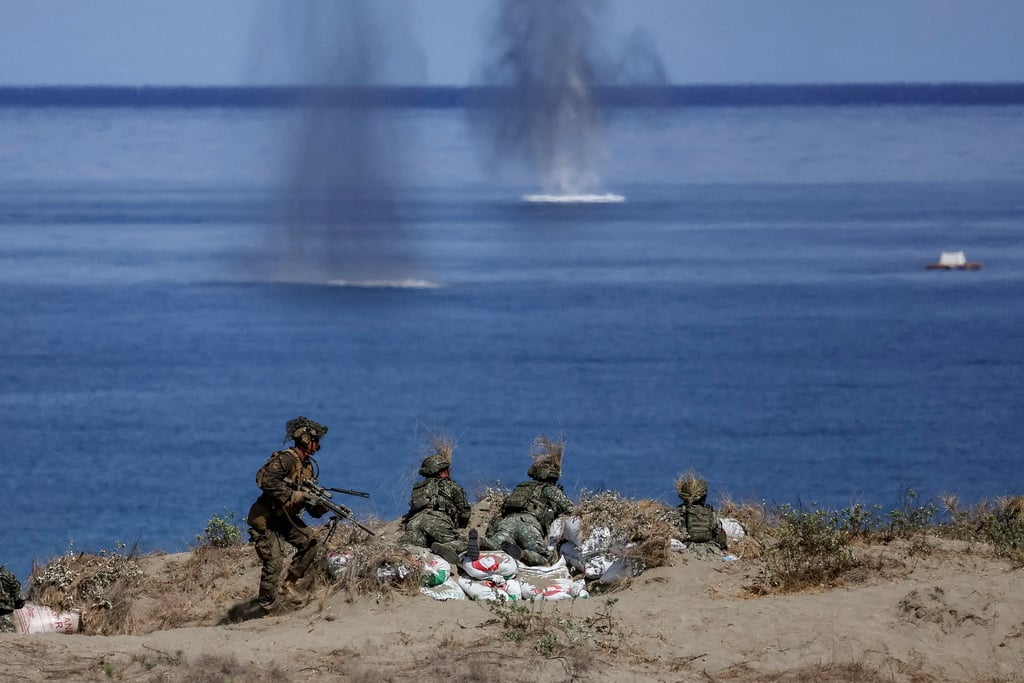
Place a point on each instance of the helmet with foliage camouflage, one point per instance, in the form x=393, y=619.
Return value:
x=434, y=465
x=547, y=459
x=440, y=457
x=303, y=429
x=691, y=487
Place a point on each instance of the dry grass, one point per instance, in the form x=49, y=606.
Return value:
x=376, y=565
x=103, y=586
x=194, y=591
x=646, y=524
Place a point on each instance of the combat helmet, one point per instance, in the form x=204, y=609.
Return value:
x=691, y=488
x=547, y=459
x=303, y=430
x=440, y=457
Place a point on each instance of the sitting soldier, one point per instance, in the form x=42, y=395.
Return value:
x=527, y=513
x=697, y=519
x=438, y=506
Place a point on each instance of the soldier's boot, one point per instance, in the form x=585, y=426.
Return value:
x=513, y=550
x=473, y=545
x=446, y=552
x=290, y=592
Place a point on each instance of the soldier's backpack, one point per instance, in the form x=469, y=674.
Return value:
x=529, y=497
x=261, y=473
x=424, y=496
x=701, y=521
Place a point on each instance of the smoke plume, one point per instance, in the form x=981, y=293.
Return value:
x=545, y=65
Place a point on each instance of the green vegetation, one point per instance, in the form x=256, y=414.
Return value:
x=220, y=532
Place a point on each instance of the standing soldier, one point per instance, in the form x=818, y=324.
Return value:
x=438, y=506
x=10, y=598
x=697, y=519
x=526, y=515
x=275, y=518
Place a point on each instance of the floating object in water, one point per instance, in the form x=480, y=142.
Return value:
x=953, y=260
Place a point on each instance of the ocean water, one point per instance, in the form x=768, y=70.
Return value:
x=756, y=308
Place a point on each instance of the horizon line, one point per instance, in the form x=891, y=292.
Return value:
x=451, y=96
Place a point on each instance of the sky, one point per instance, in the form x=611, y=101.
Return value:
x=444, y=42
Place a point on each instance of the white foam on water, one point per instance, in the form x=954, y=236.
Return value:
x=385, y=284
x=607, y=198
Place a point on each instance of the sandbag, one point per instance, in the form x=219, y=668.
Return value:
x=494, y=588
x=733, y=528
x=41, y=619
x=592, y=566
x=436, y=569
x=490, y=563
x=449, y=590
x=555, y=589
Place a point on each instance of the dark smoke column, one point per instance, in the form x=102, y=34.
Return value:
x=540, y=108
x=340, y=220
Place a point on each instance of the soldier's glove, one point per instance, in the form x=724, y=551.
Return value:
x=298, y=498
x=19, y=603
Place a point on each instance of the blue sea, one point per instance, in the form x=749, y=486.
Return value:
x=756, y=307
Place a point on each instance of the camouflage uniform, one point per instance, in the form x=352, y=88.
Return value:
x=11, y=598
x=697, y=520
x=274, y=519
x=437, y=508
x=525, y=518
x=701, y=524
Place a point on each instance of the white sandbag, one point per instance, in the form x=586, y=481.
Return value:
x=449, y=590
x=41, y=619
x=591, y=567
x=556, y=531
x=675, y=545
x=436, y=569
x=570, y=529
x=733, y=528
x=489, y=563
x=496, y=588
x=555, y=589
x=550, y=583
x=620, y=569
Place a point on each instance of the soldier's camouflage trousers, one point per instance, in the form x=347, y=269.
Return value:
x=429, y=526
x=525, y=531
x=270, y=547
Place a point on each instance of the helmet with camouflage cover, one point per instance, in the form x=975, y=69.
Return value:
x=691, y=487
x=440, y=457
x=302, y=429
x=547, y=459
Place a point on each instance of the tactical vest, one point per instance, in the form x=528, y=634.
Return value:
x=529, y=497
x=295, y=475
x=427, y=494
x=700, y=521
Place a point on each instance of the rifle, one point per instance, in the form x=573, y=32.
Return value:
x=320, y=495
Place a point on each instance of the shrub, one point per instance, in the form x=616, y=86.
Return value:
x=811, y=548
x=220, y=532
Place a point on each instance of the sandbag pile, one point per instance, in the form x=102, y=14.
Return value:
x=495, y=575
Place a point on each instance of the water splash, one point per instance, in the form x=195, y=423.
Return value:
x=542, y=79
x=339, y=212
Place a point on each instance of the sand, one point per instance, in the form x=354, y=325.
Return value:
x=942, y=611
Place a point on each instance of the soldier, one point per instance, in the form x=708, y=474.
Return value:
x=438, y=506
x=697, y=519
x=11, y=598
x=527, y=513
x=275, y=518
